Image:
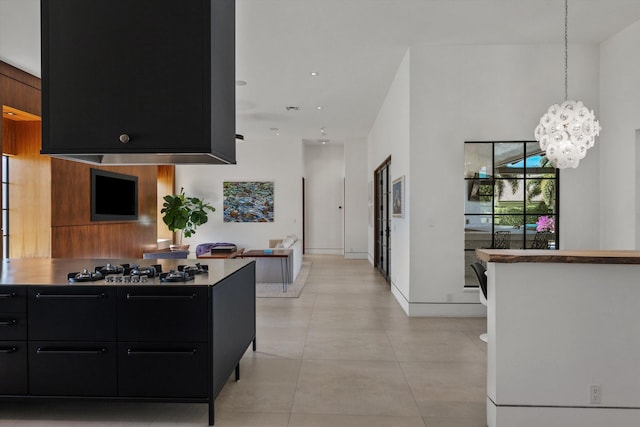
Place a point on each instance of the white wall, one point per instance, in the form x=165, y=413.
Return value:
x=475, y=93
x=275, y=160
x=356, y=198
x=390, y=136
x=620, y=118
x=324, y=198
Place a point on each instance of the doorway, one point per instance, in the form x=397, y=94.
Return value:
x=382, y=220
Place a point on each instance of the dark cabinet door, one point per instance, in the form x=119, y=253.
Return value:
x=13, y=299
x=13, y=367
x=173, y=313
x=162, y=369
x=70, y=313
x=135, y=67
x=13, y=326
x=72, y=368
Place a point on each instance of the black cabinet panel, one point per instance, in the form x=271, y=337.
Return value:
x=234, y=325
x=143, y=68
x=13, y=367
x=72, y=369
x=172, y=313
x=13, y=299
x=162, y=369
x=72, y=313
x=13, y=326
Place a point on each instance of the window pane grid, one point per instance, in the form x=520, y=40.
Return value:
x=511, y=199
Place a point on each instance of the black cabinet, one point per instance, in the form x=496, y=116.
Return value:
x=129, y=77
x=162, y=314
x=13, y=340
x=162, y=369
x=13, y=367
x=13, y=299
x=167, y=342
x=58, y=368
x=72, y=313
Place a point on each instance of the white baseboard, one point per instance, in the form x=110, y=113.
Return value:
x=428, y=309
x=356, y=255
x=324, y=251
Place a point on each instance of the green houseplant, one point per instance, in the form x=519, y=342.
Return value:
x=184, y=214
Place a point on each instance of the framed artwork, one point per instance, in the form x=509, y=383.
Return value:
x=397, y=194
x=248, y=201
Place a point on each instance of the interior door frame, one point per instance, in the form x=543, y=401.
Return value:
x=382, y=264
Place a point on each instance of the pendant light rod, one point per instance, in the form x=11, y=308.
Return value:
x=566, y=50
x=567, y=131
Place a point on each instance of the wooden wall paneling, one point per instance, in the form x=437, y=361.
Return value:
x=120, y=240
x=8, y=137
x=29, y=195
x=20, y=90
x=166, y=185
x=71, y=204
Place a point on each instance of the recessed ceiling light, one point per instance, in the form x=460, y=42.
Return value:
x=10, y=113
x=315, y=73
x=319, y=107
x=241, y=83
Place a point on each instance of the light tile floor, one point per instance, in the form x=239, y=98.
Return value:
x=343, y=354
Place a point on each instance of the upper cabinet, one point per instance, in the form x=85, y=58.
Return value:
x=139, y=81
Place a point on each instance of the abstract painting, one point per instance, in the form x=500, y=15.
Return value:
x=248, y=201
x=397, y=195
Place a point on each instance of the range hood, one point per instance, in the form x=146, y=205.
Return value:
x=135, y=83
x=145, y=159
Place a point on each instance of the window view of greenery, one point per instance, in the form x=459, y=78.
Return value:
x=511, y=199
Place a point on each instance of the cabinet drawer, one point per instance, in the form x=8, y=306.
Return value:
x=72, y=313
x=72, y=368
x=13, y=299
x=162, y=314
x=162, y=369
x=13, y=367
x=13, y=326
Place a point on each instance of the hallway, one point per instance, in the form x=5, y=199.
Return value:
x=343, y=354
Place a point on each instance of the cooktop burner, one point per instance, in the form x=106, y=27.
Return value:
x=124, y=273
x=176, y=276
x=84, y=276
x=194, y=269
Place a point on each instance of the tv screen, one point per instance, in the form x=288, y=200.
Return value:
x=114, y=196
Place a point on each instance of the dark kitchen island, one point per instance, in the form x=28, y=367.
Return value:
x=146, y=330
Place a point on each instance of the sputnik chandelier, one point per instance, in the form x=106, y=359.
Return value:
x=567, y=131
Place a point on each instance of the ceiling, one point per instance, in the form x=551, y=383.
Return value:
x=354, y=45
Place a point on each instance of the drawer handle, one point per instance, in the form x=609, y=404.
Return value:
x=8, y=322
x=9, y=295
x=7, y=350
x=133, y=352
x=69, y=296
x=71, y=351
x=161, y=297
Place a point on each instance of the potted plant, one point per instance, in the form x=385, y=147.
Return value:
x=184, y=214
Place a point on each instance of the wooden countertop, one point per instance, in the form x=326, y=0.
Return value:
x=561, y=256
x=53, y=271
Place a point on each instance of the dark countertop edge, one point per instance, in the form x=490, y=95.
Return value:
x=561, y=256
x=61, y=265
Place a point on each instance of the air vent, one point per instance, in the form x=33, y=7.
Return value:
x=292, y=108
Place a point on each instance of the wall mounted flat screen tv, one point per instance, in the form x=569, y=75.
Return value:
x=114, y=196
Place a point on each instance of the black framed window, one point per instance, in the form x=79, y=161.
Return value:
x=511, y=199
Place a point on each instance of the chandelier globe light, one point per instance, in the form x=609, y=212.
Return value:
x=568, y=130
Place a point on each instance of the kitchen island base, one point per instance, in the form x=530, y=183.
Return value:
x=152, y=341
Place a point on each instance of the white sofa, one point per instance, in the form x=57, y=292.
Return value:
x=270, y=271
